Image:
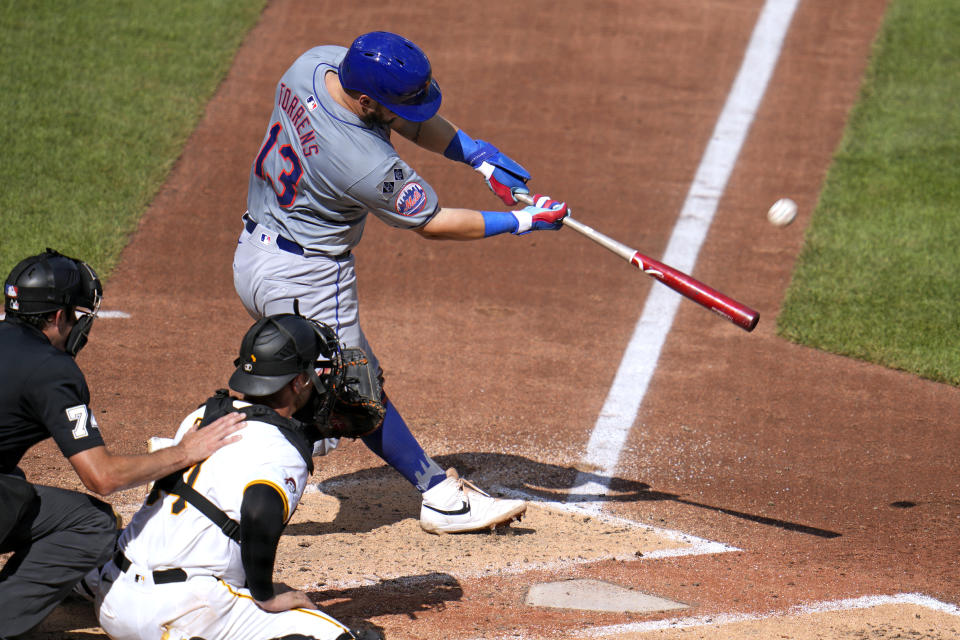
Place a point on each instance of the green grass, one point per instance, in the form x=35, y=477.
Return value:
x=879, y=276
x=98, y=99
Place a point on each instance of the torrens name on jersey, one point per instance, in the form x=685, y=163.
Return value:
x=297, y=110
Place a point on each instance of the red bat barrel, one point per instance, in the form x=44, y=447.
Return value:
x=737, y=313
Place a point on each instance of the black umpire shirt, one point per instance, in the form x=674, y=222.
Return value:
x=43, y=394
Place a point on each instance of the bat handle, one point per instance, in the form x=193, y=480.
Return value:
x=523, y=197
x=603, y=240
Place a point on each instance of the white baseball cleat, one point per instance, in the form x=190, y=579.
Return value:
x=459, y=506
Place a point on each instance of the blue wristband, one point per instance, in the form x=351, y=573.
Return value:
x=461, y=147
x=497, y=222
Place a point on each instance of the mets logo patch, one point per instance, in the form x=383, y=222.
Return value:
x=411, y=200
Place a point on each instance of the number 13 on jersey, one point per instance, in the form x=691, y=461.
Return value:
x=284, y=185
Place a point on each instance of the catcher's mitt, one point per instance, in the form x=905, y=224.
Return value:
x=358, y=406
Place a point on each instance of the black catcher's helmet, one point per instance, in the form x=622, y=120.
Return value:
x=277, y=348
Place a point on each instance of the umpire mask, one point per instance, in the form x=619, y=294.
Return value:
x=87, y=310
x=326, y=378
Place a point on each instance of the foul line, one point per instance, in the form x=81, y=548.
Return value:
x=640, y=359
x=865, y=602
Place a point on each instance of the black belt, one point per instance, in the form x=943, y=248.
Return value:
x=166, y=576
x=285, y=244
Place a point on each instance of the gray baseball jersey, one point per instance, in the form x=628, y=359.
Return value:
x=321, y=169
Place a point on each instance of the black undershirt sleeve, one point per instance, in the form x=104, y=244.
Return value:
x=261, y=524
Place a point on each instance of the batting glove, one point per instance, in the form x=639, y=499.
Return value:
x=544, y=214
x=503, y=175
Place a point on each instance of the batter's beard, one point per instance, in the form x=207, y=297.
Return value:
x=378, y=118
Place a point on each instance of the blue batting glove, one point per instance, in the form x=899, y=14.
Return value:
x=502, y=174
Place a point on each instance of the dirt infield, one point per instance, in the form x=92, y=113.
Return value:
x=822, y=479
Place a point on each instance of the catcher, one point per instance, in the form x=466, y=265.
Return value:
x=196, y=561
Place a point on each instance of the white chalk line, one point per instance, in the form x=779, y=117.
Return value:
x=849, y=604
x=115, y=315
x=697, y=546
x=622, y=405
x=694, y=545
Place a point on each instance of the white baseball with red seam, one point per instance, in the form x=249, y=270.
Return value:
x=782, y=212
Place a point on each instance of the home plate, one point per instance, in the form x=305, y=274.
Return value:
x=596, y=595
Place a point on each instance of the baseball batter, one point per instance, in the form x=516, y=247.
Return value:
x=183, y=571
x=326, y=162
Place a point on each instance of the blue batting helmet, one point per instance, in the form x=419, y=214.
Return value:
x=394, y=72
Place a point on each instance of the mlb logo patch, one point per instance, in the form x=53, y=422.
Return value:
x=387, y=188
x=266, y=239
x=411, y=200
x=11, y=291
x=312, y=103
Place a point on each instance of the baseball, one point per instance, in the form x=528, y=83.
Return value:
x=782, y=212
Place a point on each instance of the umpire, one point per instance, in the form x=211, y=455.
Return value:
x=57, y=535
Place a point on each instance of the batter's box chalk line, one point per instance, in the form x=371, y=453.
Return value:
x=865, y=602
x=693, y=545
x=696, y=546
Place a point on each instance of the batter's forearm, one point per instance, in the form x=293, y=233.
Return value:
x=434, y=134
x=454, y=224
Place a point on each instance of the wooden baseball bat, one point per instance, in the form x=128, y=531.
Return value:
x=687, y=286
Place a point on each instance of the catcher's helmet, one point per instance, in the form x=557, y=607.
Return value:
x=394, y=72
x=49, y=281
x=278, y=348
